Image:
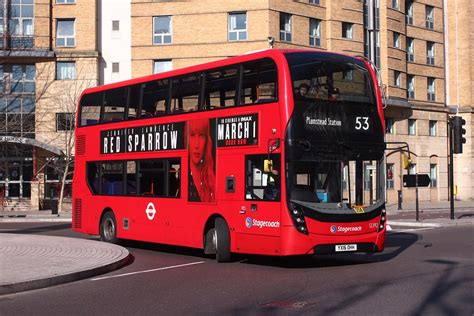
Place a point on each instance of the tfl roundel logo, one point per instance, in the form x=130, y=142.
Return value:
x=248, y=222
x=333, y=228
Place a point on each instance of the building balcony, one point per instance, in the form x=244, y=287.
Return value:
x=22, y=46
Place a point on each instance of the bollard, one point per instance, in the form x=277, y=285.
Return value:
x=54, y=203
x=400, y=199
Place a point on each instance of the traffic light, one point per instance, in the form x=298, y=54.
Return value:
x=405, y=161
x=457, y=125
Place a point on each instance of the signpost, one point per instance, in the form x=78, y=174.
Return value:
x=415, y=181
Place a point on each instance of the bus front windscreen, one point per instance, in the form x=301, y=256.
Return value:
x=335, y=140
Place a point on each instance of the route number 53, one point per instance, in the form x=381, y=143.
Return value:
x=362, y=122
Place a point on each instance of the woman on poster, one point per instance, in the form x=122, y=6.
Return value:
x=202, y=178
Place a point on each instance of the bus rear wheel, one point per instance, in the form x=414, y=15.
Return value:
x=221, y=239
x=108, y=228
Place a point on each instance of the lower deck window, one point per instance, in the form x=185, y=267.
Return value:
x=150, y=177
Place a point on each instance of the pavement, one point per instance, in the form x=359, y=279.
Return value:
x=30, y=262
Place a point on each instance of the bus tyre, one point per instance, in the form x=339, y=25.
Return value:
x=222, y=236
x=108, y=228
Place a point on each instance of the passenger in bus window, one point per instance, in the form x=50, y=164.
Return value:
x=201, y=162
x=302, y=91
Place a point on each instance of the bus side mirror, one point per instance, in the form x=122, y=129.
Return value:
x=268, y=165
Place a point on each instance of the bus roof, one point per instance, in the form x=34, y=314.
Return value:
x=272, y=53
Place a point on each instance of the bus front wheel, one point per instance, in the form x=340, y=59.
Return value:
x=221, y=239
x=108, y=228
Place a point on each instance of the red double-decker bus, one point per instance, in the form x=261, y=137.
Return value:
x=278, y=152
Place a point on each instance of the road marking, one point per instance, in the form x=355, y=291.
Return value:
x=147, y=271
x=395, y=231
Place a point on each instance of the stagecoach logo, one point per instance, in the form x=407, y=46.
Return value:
x=237, y=130
x=249, y=223
x=144, y=138
x=345, y=229
x=150, y=211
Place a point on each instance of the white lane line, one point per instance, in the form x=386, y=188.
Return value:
x=394, y=231
x=147, y=271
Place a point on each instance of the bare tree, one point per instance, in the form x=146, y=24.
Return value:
x=56, y=116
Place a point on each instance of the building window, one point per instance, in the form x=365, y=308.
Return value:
x=23, y=79
x=65, y=1
x=237, y=26
x=409, y=12
x=64, y=122
x=162, y=30
x=115, y=67
x=347, y=30
x=411, y=127
x=429, y=17
x=412, y=168
x=431, y=89
x=21, y=23
x=116, y=25
x=396, y=40
x=316, y=2
x=395, y=4
x=396, y=78
x=390, y=178
x=434, y=175
x=65, y=33
x=162, y=65
x=430, y=53
x=389, y=125
x=66, y=70
x=285, y=27
x=410, y=49
x=314, y=32
x=433, y=127
x=410, y=86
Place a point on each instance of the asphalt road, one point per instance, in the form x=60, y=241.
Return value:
x=421, y=272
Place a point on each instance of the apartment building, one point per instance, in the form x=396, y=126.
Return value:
x=49, y=54
x=55, y=48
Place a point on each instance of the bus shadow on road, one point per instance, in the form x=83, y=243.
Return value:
x=395, y=244
x=168, y=249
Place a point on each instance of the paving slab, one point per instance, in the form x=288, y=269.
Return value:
x=30, y=262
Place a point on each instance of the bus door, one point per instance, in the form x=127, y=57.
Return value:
x=259, y=222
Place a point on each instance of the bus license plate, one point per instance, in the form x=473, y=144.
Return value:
x=350, y=247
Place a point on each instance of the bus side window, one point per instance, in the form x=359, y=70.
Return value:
x=92, y=175
x=174, y=178
x=131, y=178
x=185, y=92
x=112, y=178
x=155, y=98
x=151, y=178
x=221, y=88
x=90, y=109
x=134, y=101
x=259, y=82
x=115, y=102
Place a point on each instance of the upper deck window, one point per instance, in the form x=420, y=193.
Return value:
x=319, y=79
x=259, y=82
x=90, y=108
